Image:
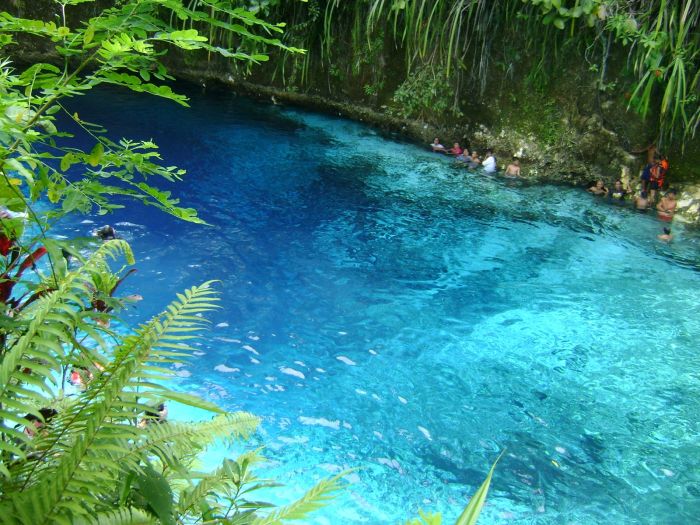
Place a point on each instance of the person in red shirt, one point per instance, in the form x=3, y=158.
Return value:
x=455, y=150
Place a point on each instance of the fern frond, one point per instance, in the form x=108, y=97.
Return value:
x=172, y=440
x=86, y=465
x=125, y=516
x=315, y=498
x=33, y=356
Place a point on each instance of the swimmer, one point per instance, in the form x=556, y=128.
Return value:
x=6, y=213
x=437, y=147
x=513, y=169
x=157, y=416
x=617, y=192
x=455, y=150
x=80, y=376
x=475, y=160
x=106, y=233
x=598, y=188
x=667, y=206
x=35, y=423
x=489, y=164
x=464, y=157
x=666, y=236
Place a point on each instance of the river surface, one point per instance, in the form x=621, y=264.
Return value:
x=386, y=311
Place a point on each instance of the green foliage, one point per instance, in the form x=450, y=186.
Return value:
x=91, y=460
x=122, y=46
x=84, y=457
x=464, y=38
x=425, y=95
x=664, y=45
x=471, y=513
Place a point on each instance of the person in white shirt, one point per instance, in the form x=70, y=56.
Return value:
x=437, y=146
x=489, y=163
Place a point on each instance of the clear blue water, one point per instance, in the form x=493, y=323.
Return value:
x=383, y=310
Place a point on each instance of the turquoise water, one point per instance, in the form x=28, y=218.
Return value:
x=386, y=311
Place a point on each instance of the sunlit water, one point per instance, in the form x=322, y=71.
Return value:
x=385, y=311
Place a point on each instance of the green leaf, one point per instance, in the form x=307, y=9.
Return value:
x=88, y=35
x=96, y=154
x=473, y=509
x=193, y=401
x=156, y=490
x=549, y=17
x=67, y=161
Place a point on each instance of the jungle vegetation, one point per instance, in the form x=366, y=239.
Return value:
x=95, y=455
x=420, y=57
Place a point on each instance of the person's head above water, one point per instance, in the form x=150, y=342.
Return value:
x=106, y=233
x=667, y=230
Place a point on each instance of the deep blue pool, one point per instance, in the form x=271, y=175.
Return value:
x=384, y=310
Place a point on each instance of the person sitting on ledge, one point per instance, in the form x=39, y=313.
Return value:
x=437, y=147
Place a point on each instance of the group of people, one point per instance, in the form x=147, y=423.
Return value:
x=652, y=179
x=472, y=160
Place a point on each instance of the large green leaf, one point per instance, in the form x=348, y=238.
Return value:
x=473, y=509
x=155, y=489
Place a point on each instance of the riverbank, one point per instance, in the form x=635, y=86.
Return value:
x=541, y=163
